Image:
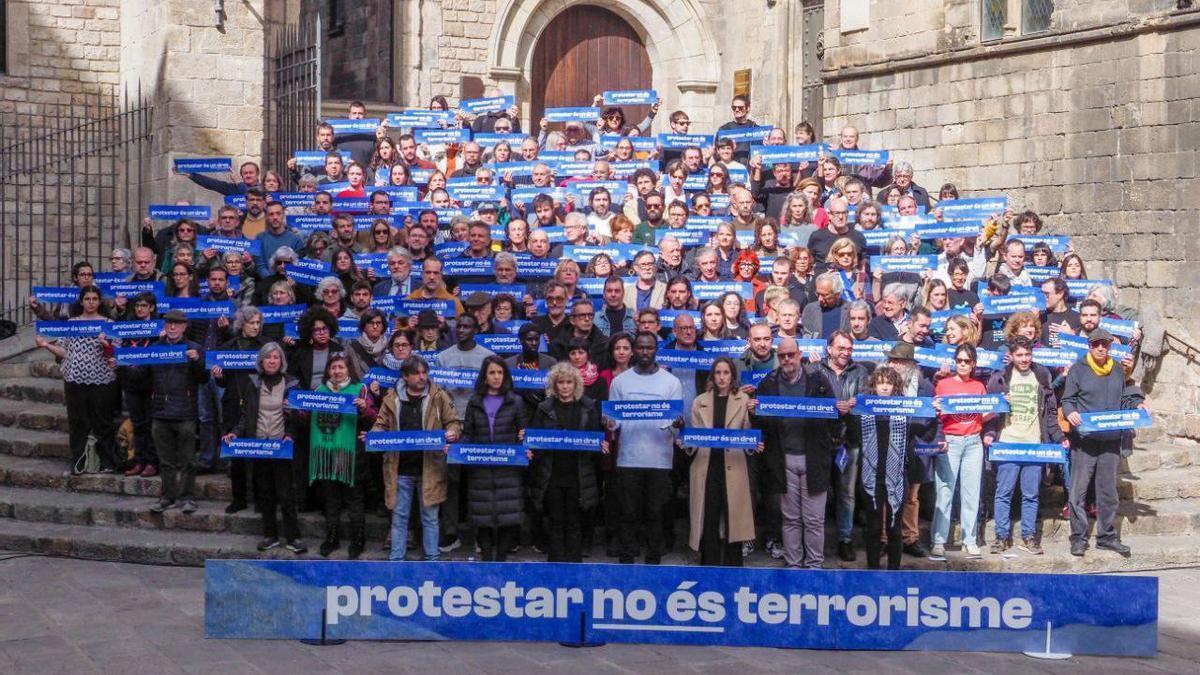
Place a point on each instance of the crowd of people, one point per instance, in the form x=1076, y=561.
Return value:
x=614, y=265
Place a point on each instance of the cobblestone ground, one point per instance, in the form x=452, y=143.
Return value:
x=71, y=616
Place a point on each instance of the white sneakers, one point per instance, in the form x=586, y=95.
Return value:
x=971, y=548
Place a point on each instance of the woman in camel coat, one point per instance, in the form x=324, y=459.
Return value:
x=720, y=508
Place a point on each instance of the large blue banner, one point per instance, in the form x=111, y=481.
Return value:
x=711, y=606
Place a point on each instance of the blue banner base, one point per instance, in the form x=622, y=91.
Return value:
x=777, y=607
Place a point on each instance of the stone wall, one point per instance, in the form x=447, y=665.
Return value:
x=356, y=61
x=1092, y=126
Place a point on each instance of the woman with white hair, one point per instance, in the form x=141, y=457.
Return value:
x=565, y=482
x=331, y=295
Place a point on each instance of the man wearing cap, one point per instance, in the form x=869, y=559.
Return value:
x=479, y=305
x=1097, y=383
x=903, y=359
x=175, y=409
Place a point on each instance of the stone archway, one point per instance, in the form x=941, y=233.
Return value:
x=681, y=49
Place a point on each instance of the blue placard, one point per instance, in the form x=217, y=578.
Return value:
x=1079, y=345
x=232, y=359
x=372, y=261
x=281, y=313
x=348, y=328
x=529, y=380
x=71, y=329
x=1115, y=420
x=515, y=290
x=620, y=253
x=625, y=170
x=903, y=263
x=1039, y=274
x=345, y=126
x=536, y=268
x=351, y=204
x=479, y=106
x=406, y=441
x=705, y=223
x=686, y=359
x=1027, y=453
x=872, y=350
x=487, y=455
x=502, y=343
x=206, y=242
x=419, y=117
x=630, y=97
x=463, y=266
x=796, y=406
x=574, y=169
x=316, y=158
x=711, y=290
x=367, y=221
x=1119, y=327
x=305, y=275
x=256, y=448
x=872, y=157
x=746, y=439
x=685, y=236
x=195, y=308
x=668, y=316
x=880, y=236
x=488, y=140
x=476, y=193
x=967, y=404
x=732, y=348
x=454, y=378
x=904, y=406
x=929, y=449
x=203, y=164
x=643, y=410
x=526, y=195
x=978, y=207
x=56, y=294
x=949, y=229
x=937, y=356
x=444, y=308
x=1013, y=303
x=386, y=377
x=322, y=401
x=129, y=330
x=152, y=355
x=989, y=360
x=574, y=114
x=173, y=212
x=1078, y=289
x=788, y=154
x=399, y=193
x=502, y=169
x=293, y=200
x=558, y=439
x=442, y=136
x=709, y=606
x=308, y=221
x=1058, y=243
x=683, y=141
x=752, y=135
x=639, y=143
x=101, y=278
x=1055, y=358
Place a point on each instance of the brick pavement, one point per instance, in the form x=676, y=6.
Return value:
x=73, y=616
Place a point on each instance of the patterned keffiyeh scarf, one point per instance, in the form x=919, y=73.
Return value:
x=894, y=473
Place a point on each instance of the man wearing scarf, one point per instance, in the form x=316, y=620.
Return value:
x=1095, y=385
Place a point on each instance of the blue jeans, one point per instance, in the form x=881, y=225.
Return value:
x=847, y=484
x=961, y=465
x=209, y=397
x=1008, y=475
x=406, y=487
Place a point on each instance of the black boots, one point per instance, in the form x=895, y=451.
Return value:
x=358, y=541
x=331, y=542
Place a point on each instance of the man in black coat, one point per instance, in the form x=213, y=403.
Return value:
x=175, y=409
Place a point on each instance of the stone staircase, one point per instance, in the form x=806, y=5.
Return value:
x=44, y=509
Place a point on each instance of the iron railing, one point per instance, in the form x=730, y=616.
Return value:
x=71, y=178
x=293, y=92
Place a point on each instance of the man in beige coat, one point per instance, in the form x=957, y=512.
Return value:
x=416, y=404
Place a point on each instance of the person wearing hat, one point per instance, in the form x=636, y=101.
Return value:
x=1096, y=383
x=175, y=408
x=902, y=358
x=479, y=305
x=430, y=336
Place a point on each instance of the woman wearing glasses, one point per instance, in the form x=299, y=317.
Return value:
x=961, y=460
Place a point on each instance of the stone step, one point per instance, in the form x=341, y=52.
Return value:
x=1154, y=456
x=1177, y=483
x=1163, y=518
x=30, y=472
x=37, y=363
x=37, y=389
x=20, y=442
x=104, y=509
x=33, y=415
x=181, y=547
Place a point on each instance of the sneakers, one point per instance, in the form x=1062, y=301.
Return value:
x=971, y=548
x=162, y=505
x=1078, y=548
x=938, y=551
x=747, y=548
x=296, y=546
x=150, y=471
x=845, y=550
x=775, y=550
x=1116, y=547
x=1001, y=545
x=235, y=506
x=188, y=506
x=1032, y=546
x=268, y=543
x=450, y=543
x=135, y=470
x=917, y=550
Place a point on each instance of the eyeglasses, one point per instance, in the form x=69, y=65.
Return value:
x=320, y=329
x=964, y=361
x=396, y=345
x=327, y=291
x=683, y=123
x=784, y=356
x=738, y=107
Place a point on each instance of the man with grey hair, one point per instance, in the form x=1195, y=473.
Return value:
x=859, y=317
x=646, y=290
x=902, y=178
x=670, y=259
x=892, y=318
x=829, y=312
x=399, y=281
x=705, y=267
x=575, y=228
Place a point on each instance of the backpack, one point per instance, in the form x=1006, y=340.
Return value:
x=89, y=461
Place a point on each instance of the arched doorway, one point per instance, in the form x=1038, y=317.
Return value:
x=586, y=50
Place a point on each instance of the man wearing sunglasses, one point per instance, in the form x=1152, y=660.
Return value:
x=741, y=120
x=1097, y=383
